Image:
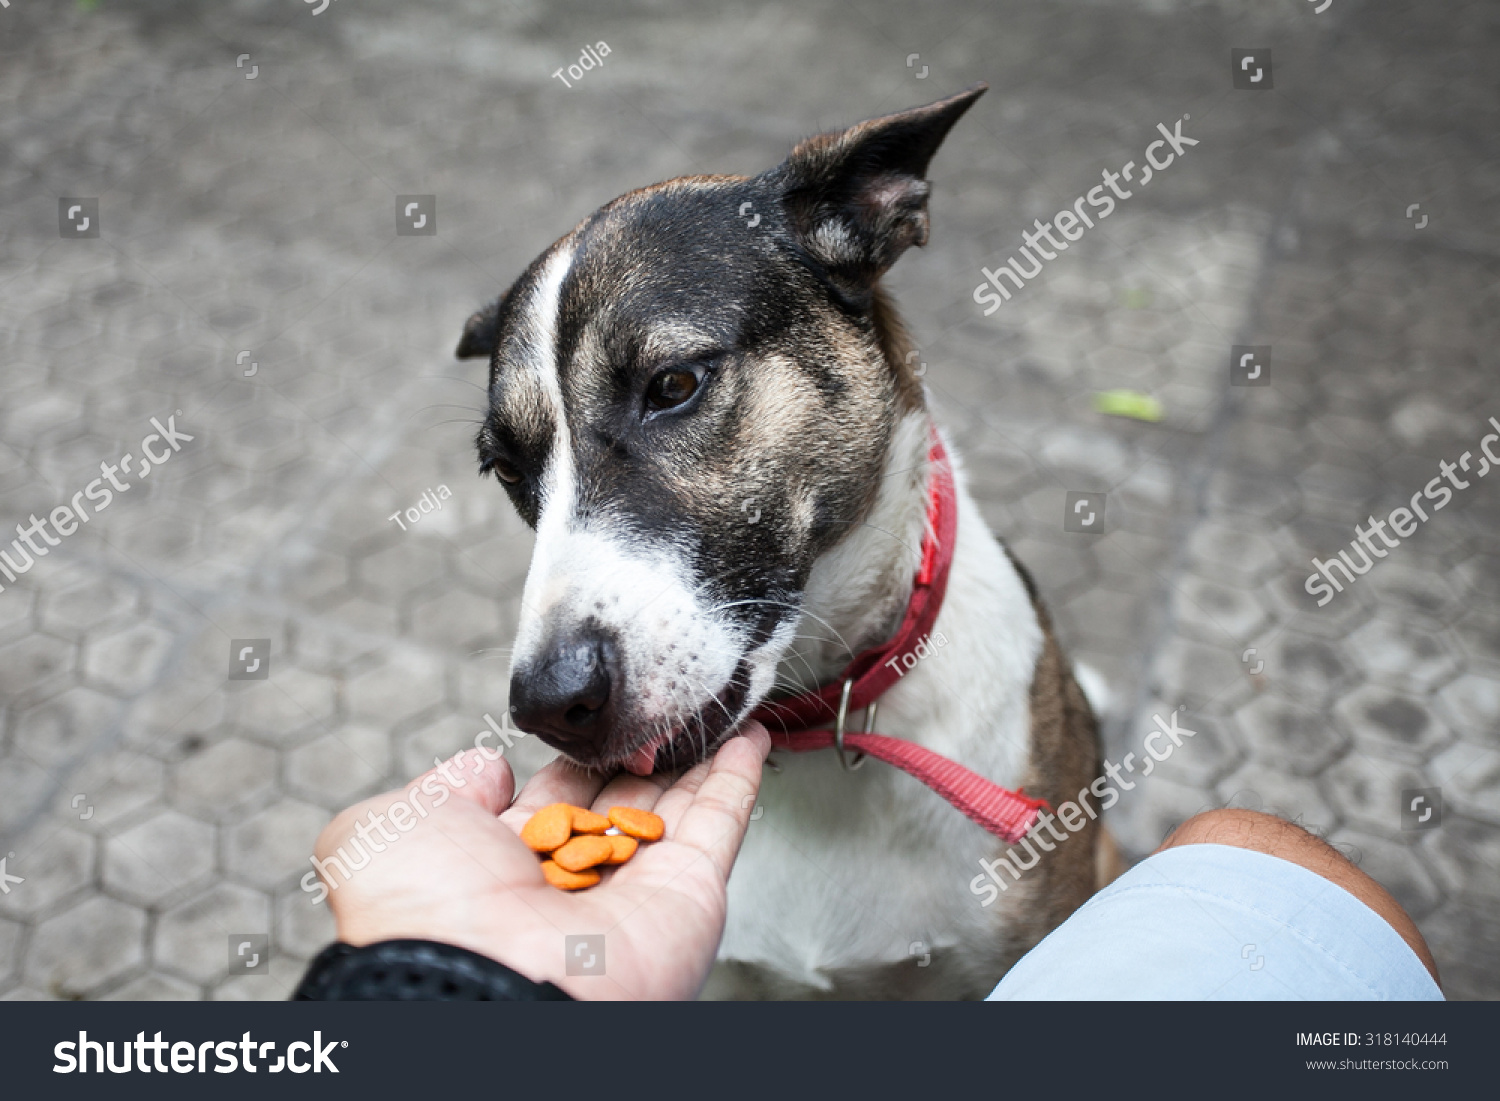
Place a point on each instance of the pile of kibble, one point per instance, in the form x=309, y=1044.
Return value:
x=575, y=842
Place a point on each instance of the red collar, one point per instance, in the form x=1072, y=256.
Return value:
x=1002, y=812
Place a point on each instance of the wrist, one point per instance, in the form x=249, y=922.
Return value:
x=415, y=970
x=526, y=952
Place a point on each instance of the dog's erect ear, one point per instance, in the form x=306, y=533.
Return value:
x=857, y=199
x=481, y=332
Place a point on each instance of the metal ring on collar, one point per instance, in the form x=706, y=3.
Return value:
x=843, y=718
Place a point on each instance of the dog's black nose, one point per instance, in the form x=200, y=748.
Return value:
x=565, y=695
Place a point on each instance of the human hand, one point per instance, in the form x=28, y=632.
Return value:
x=460, y=874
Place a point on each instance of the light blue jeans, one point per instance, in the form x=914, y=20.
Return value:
x=1215, y=922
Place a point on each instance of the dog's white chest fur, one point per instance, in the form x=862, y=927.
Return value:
x=851, y=869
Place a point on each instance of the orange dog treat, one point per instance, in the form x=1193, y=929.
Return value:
x=584, y=851
x=573, y=844
x=624, y=847
x=640, y=824
x=549, y=828
x=586, y=821
x=565, y=880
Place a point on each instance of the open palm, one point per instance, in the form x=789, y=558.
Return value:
x=461, y=875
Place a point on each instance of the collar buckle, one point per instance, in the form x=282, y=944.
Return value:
x=843, y=718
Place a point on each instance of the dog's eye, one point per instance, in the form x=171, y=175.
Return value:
x=502, y=470
x=671, y=387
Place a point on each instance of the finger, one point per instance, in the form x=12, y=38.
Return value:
x=472, y=776
x=718, y=814
x=627, y=790
x=560, y=781
x=676, y=800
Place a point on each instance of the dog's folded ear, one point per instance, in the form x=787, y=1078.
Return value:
x=857, y=199
x=481, y=332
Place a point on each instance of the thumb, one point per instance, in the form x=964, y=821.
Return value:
x=480, y=776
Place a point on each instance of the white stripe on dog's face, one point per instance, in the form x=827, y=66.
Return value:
x=557, y=479
x=676, y=655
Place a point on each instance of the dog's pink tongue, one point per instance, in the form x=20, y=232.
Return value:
x=643, y=760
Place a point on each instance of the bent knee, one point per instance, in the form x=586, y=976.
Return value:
x=1265, y=833
x=1248, y=829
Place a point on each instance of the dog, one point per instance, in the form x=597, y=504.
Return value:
x=705, y=404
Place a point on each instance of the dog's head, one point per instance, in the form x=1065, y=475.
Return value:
x=691, y=398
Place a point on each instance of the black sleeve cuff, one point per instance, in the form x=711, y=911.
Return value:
x=416, y=971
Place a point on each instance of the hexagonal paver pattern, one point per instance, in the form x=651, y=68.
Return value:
x=96, y=603
x=192, y=939
x=109, y=787
x=81, y=949
x=127, y=661
x=1297, y=739
x=32, y=663
x=250, y=285
x=1471, y=705
x=1404, y=653
x=274, y=845
x=434, y=742
x=1469, y=775
x=1367, y=791
x=283, y=707
x=1217, y=612
x=66, y=726
x=337, y=768
x=405, y=685
x=20, y=782
x=215, y=782
x=160, y=857
x=1272, y=790
x=1313, y=670
x=60, y=865
x=1403, y=726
